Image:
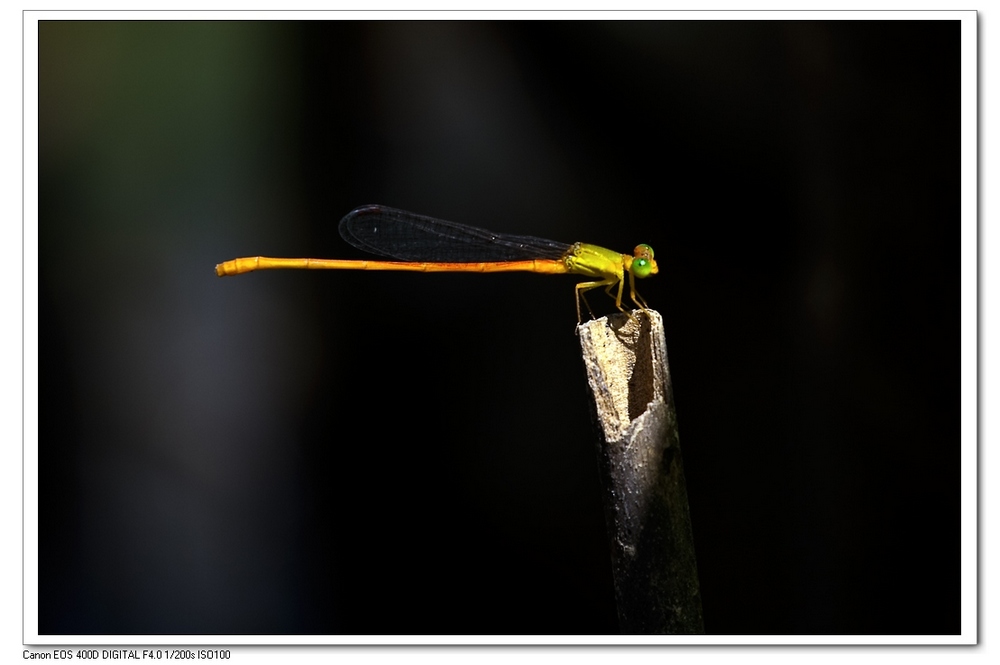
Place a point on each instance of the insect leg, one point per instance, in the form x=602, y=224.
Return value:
x=636, y=298
x=586, y=286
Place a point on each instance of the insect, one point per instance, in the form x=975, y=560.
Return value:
x=424, y=244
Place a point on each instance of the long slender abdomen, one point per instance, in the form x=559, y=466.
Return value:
x=250, y=264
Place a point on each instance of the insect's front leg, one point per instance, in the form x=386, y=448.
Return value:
x=636, y=298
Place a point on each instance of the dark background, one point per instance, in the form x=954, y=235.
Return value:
x=348, y=452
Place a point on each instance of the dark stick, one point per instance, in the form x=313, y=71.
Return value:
x=645, y=499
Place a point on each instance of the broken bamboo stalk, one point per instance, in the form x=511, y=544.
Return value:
x=645, y=496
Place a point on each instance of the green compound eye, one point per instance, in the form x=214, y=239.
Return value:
x=643, y=264
x=641, y=267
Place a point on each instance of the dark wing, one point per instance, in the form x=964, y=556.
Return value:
x=407, y=236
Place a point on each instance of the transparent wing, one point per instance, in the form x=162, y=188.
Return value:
x=407, y=236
